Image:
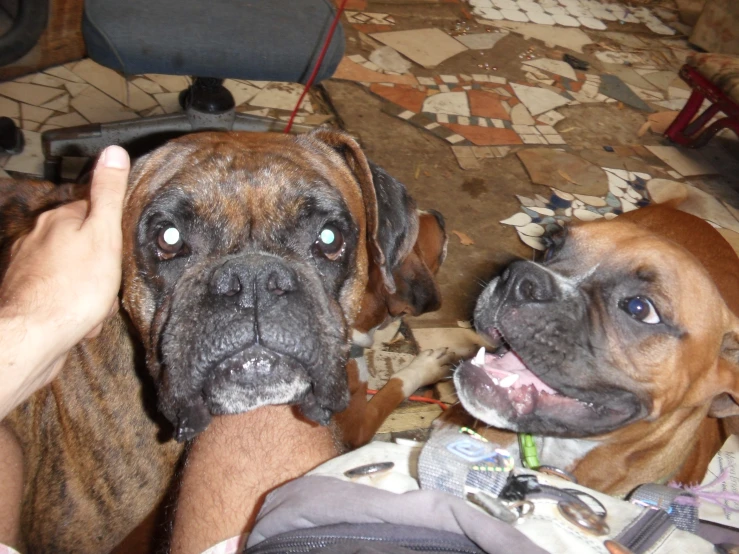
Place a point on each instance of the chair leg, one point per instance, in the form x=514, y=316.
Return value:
x=724, y=123
x=675, y=131
x=53, y=169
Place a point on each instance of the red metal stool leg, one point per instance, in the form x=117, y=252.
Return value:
x=725, y=123
x=675, y=132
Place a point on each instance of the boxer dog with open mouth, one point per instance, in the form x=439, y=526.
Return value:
x=619, y=353
x=246, y=258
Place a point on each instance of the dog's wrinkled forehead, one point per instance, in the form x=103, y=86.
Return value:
x=228, y=176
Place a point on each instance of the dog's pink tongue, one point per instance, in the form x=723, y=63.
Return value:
x=502, y=368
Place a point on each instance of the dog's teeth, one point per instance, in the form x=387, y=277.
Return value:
x=495, y=381
x=479, y=359
x=508, y=381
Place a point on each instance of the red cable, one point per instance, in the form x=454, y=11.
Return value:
x=313, y=74
x=441, y=404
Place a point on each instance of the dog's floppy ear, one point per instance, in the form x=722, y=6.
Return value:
x=391, y=222
x=416, y=289
x=727, y=404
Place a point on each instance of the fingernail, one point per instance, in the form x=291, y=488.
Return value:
x=114, y=157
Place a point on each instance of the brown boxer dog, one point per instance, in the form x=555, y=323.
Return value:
x=620, y=351
x=246, y=258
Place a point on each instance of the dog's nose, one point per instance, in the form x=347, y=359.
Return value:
x=528, y=282
x=253, y=276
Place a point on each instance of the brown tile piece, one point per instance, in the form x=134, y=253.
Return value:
x=486, y=104
x=564, y=171
x=402, y=95
x=485, y=136
x=352, y=71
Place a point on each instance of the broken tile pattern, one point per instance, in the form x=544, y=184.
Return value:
x=369, y=18
x=568, y=13
x=482, y=109
x=627, y=192
x=84, y=92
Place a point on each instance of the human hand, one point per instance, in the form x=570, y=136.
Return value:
x=64, y=276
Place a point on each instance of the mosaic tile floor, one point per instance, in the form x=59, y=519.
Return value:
x=85, y=92
x=633, y=55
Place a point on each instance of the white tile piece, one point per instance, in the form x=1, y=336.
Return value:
x=676, y=104
x=546, y=130
x=525, y=201
x=442, y=118
x=169, y=101
x=482, y=122
x=31, y=160
x=550, y=118
x=480, y=3
x=533, y=139
x=9, y=108
x=68, y=120
x=538, y=100
x=541, y=210
x=498, y=123
x=34, y=113
x=29, y=125
x=171, y=83
x=407, y=114
x=47, y=80
x=282, y=96
x=595, y=201
x=356, y=58
x=506, y=107
x=530, y=7
x=660, y=28
x=645, y=176
x=497, y=80
x=592, y=23
x=557, y=67
x=114, y=85
x=481, y=41
x=455, y=138
x=621, y=173
x=573, y=39
x=506, y=4
x=517, y=220
x=555, y=139
x=451, y=79
x=431, y=126
x=444, y=88
x=674, y=174
x=240, y=91
x=63, y=73
x=674, y=93
x=28, y=93
x=532, y=230
x=525, y=129
x=147, y=85
x=627, y=205
x=75, y=88
x=503, y=92
x=452, y=103
x=566, y=20
x=562, y=194
x=534, y=242
x=515, y=15
x=586, y=215
x=541, y=18
x=98, y=107
x=462, y=120
x=426, y=47
x=427, y=81
x=492, y=14
x=521, y=116
x=555, y=10
x=477, y=77
x=60, y=104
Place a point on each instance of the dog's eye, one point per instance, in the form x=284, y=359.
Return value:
x=169, y=242
x=330, y=243
x=640, y=308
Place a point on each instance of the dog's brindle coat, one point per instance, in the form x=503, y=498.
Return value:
x=250, y=309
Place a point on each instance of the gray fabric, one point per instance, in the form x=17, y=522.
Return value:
x=261, y=40
x=314, y=501
x=680, y=505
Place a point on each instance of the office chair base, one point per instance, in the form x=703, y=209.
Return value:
x=138, y=134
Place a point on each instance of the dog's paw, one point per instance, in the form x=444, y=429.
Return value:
x=429, y=367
